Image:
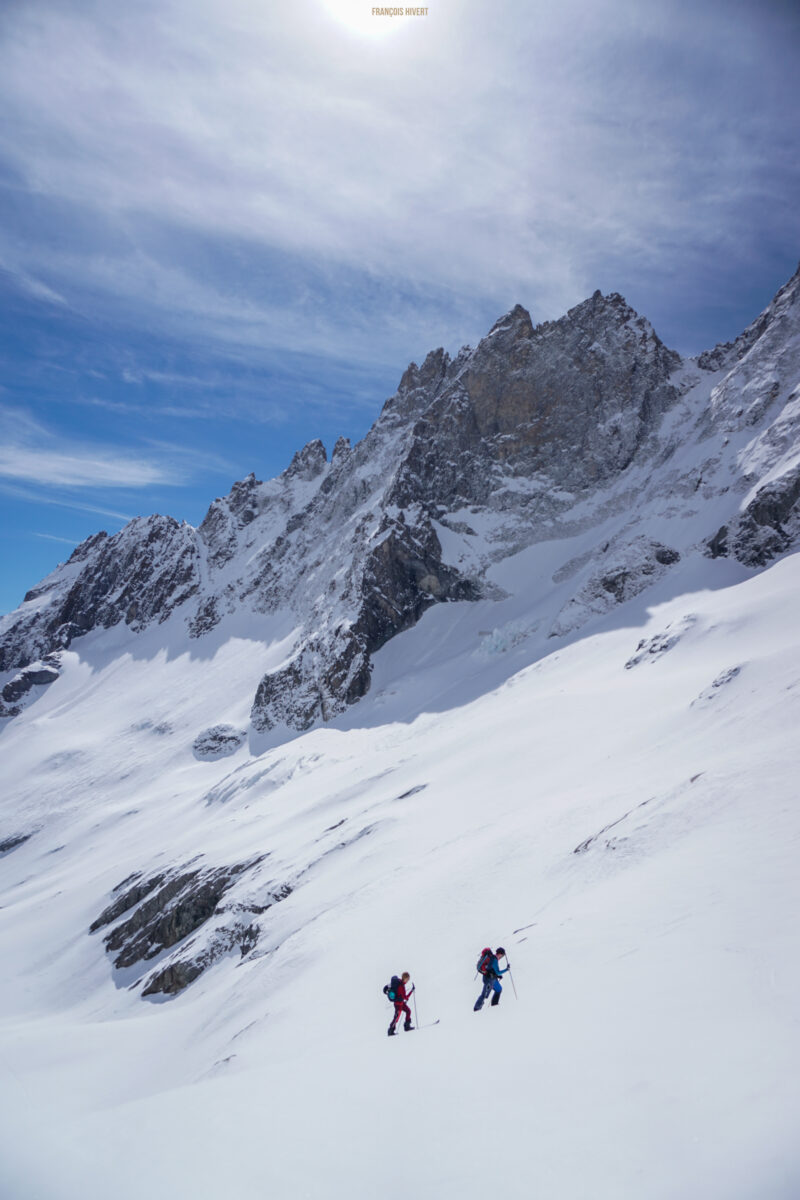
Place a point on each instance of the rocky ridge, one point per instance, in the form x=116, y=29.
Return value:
x=540, y=432
x=192, y=908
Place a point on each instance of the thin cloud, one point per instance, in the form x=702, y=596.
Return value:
x=61, y=468
x=32, y=453
x=195, y=461
x=155, y=412
x=171, y=378
x=58, y=501
x=33, y=287
x=53, y=537
x=440, y=172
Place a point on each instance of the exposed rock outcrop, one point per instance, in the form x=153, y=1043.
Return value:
x=768, y=526
x=651, y=649
x=140, y=575
x=181, y=910
x=219, y=741
x=621, y=572
x=399, y=575
x=27, y=683
x=7, y=844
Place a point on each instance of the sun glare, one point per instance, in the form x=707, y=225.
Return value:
x=358, y=16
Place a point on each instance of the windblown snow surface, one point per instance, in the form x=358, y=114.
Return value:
x=620, y=813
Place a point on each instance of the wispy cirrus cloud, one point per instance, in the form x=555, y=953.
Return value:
x=66, y=468
x=365, y=198
x=61, y=500
x=54, y=537
x=133, y=408
x=141, y=374
x=33, y=454
x=33, y=287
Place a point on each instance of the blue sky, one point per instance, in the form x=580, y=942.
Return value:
x=226, y=228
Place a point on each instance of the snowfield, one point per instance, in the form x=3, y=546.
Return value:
x=620, y=812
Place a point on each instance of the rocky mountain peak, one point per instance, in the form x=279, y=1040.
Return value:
x=601, y=315
x=515, y=324
x=82, y=552
x=418, y=385
x=340, y=450
x=243, y=499
x=783, y=307
x=535, y=433
x=428, y=375
x=575, y=397
x=309, y=462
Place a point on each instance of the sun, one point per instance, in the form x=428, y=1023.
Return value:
x=357, y=16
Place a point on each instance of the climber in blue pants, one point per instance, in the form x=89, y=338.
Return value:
x=489, y=967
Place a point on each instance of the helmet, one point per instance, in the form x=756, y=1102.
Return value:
x=500, y=952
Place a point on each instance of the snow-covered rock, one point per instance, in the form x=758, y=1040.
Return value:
x=219, y=741
x=151, y=914
x=652, y=648
x=620, y=573
x=26, y=684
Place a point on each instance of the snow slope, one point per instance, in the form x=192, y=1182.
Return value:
x=619, y=812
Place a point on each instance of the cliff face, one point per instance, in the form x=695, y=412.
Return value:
x=574, y=425
x=141, y=575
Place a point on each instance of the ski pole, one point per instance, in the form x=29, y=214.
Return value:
x=414, y=994
x=511, y=977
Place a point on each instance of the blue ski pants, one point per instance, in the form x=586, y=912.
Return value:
x=490, y=983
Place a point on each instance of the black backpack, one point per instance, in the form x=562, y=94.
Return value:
x=392, y=988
